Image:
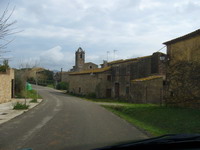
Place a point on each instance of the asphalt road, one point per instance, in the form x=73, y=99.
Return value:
x=64, y=122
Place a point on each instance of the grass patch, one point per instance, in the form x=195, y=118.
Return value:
x=28, y=94
x=33, y=101
x=32, y=94
x=19, y=106
x=105, y=100
x=159, y=120
x=50, y=85
x=91, y=98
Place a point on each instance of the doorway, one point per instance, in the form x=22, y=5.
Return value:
x=108, y=93
x=12, y=88
x=117, y=90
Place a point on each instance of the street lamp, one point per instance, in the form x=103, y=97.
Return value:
x=36, y=83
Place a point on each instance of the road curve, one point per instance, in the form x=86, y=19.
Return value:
x=64, y=122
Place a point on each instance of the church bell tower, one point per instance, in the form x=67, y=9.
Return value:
x=80, y=59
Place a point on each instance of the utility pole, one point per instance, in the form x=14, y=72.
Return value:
x=36, y=82
x=114, y=51
x=107, y=55
x=61, y=75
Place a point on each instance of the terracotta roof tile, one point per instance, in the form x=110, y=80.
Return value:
x=98, y=70
x=147, y=78
x=127, y=60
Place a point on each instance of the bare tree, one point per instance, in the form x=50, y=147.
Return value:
x=6, y=29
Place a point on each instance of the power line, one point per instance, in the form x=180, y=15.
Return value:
x=161, y=49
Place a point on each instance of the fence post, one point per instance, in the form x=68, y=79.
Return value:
x=161, y=96
x=146, y=94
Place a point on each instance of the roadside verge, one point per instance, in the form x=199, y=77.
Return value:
x=7, y=112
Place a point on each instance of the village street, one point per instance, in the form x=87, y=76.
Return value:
x=65, y=122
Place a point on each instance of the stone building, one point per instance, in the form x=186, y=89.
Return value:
x=6, y=85
x=183, y=68
x=128, y=76
x=117, y=79
x=90, y=82
x=80, y=64
x=186, y=47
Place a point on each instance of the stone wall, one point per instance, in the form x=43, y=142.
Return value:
x=65, y=77
x=86, y=84
x=184, y=56
x=6, y=85
x=121, y=76
x=124, y=72
x=149, y=91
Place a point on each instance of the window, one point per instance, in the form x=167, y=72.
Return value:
x=108, y=77
x=117, y=70
x=128, y=70
x=164, y=82
x=81, y=55
x=79, y=90
x=90, y=67
x=127, y=90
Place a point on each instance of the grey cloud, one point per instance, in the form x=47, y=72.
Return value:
x=134, y=27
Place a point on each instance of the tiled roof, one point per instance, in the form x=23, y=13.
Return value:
x=147, y=78
x=90, y=63
x=126, y=60
x=187, y=36
x=98, y=70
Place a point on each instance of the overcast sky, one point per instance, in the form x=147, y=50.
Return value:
x=52, y=30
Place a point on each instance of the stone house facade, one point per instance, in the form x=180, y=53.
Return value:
x=90, y=82
x=118, y=79
x=124, y=73
x=6, y=85
x=183, y=54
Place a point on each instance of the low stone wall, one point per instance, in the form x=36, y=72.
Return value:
x=6, y=85
x=150, y=91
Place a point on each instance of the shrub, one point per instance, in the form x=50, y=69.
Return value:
x=3, y=68
x=19, y=106
x=91, y=95
x=62, y=86
x=34, y=100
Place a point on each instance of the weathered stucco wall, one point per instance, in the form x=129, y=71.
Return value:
x=6, y=86
x=188, y=49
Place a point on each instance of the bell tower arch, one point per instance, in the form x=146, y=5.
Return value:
x=80, y=59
